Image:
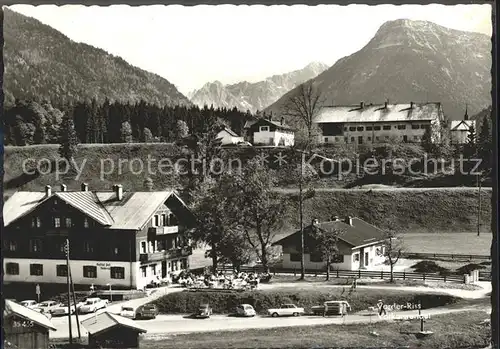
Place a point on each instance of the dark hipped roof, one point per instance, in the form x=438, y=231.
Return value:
x=105, y=321
x=358, y=234
x=131, y=213
x=380, y=113
x=15, y=309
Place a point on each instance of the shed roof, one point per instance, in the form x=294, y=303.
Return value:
x=105, y=321
x=380, y=113
x=358, y=234
x=15, y=309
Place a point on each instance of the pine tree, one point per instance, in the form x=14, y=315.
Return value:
x=427, y=144
x=485, y=144
x=68, y=139
x=147, y=135
x=126, y=132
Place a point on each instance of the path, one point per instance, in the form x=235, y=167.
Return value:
x=468, y=294
x=165, y=325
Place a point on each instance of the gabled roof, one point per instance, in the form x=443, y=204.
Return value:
x=249, y=124
x=461, y=125
x=231, y=132
x=358, y=234
x=380, y=113
x=105, y=321
x=15, y=309
x=131, y=213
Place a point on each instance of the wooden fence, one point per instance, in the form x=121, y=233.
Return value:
x=458, y=257
x=358, y=274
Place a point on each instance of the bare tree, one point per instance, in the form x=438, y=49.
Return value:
x=327, y=244
x=303, y=107
x=392, y=250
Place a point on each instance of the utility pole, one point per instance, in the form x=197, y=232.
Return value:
x=479, y=204
x=69, y=292
x=301, y=213
x=74, y=301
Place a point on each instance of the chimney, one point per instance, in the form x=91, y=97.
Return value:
x=85, y=187
x=411, y=105
x=282, y=121
x=118, y=191
x=348, y=220
x=361, y=105
x=385, y=105
x=64, y=187
x=48, y=190
x=270, y=117
x=314, y=222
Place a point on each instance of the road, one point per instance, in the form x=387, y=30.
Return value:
x=165, y=325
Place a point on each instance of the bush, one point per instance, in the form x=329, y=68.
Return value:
x=430, y=267
x=466, y=269
x=225, y=302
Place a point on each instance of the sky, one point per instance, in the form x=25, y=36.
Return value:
x=190, y=46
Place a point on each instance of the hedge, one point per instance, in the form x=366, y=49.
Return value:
x=225, y=303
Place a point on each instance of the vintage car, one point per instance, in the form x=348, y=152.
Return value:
x=62, y=309
x=245, y=310
x=147, y=311
x=332, y=308
x=29, y=304
x=128, y=312
x=92, y=305
x=286, y=310
x=204, y=311
x=47, y=306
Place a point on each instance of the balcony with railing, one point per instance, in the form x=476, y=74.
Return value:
x=165, y=255
x=164, y=230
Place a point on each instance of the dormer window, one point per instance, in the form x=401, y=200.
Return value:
x=57, y=222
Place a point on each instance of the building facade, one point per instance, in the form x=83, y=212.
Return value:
x=368, y=124
x=126, y=239
x=25, y=328
x=268, y=132
x=360, y=245
x=460, y=130
x=229, y=137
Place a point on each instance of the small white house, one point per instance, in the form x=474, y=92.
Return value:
x=268, y=132
x=460, y=129
x=228, y=137
x=361, y=246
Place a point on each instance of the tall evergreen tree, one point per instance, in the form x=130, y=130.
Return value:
x=126, y=132
x=485, y=144
x=68, y=139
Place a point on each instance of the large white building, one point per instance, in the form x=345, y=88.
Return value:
x=126, y=239
x=378, y=123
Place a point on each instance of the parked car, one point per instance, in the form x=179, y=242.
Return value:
x=128, y=312
x=47, y=306
x=92, y=305
x=204, y=311
x=29, y=304
x=62, y=309
x=245, y=310
x=146, y=311
x=286, y=310
x=332, y=308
